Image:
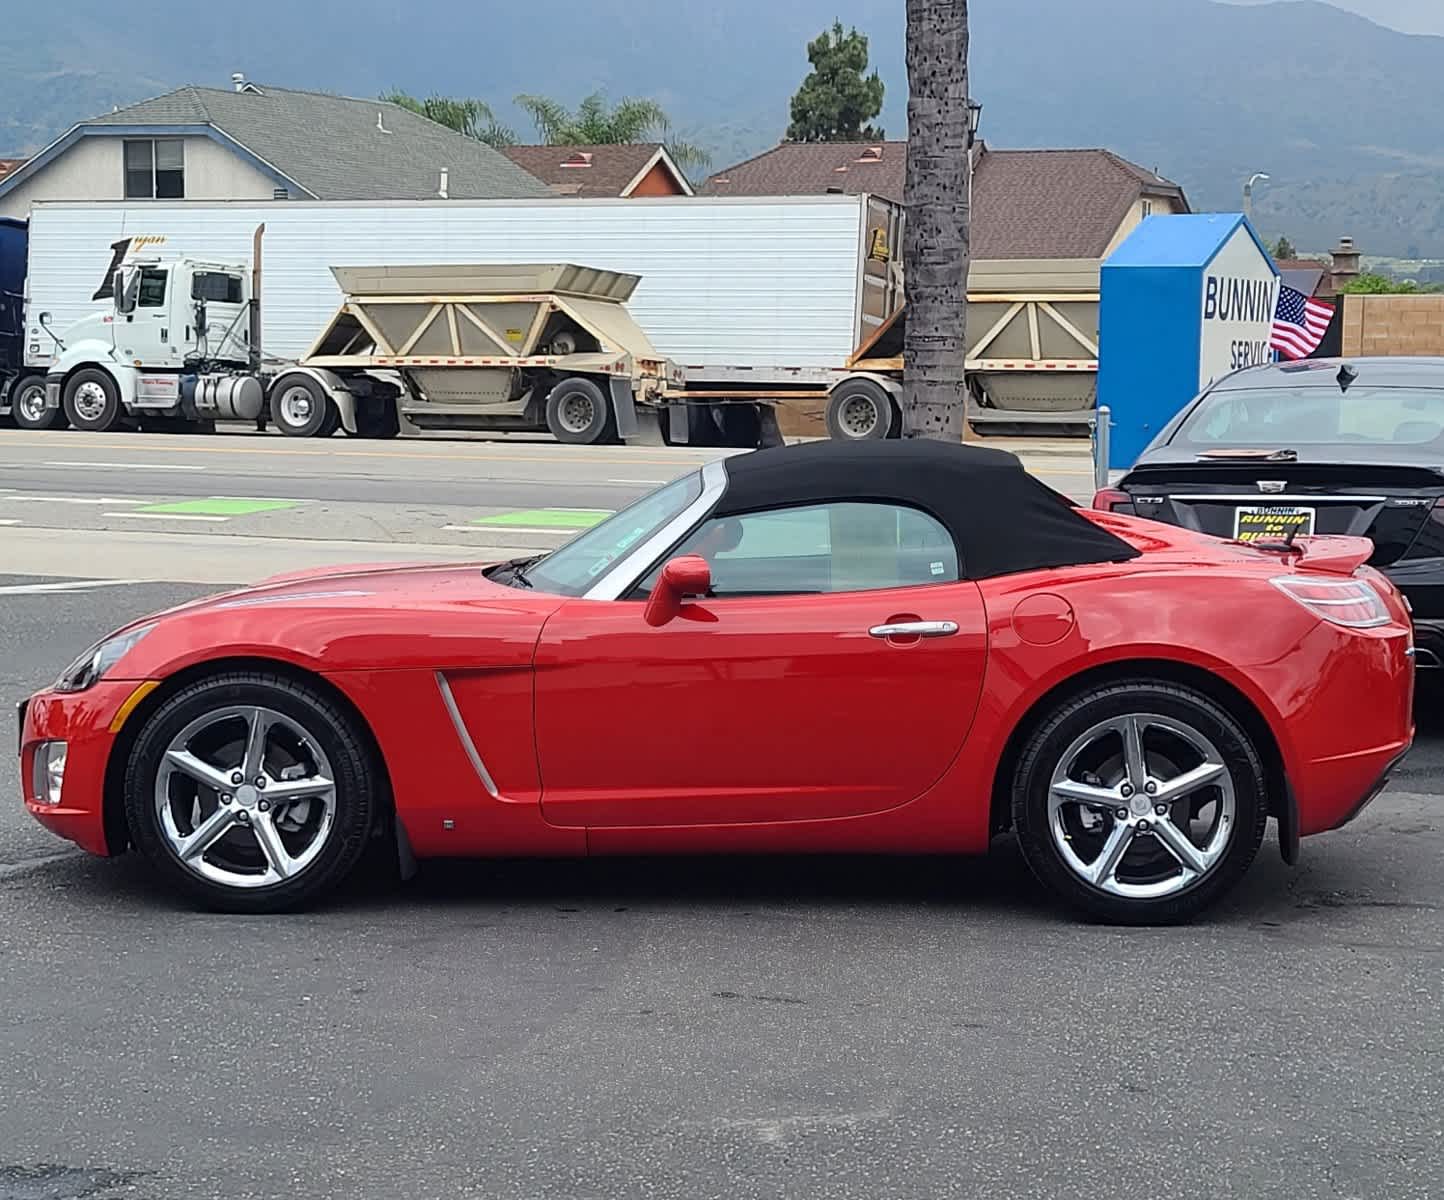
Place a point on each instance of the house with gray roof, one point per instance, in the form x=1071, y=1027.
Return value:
x=254, y=142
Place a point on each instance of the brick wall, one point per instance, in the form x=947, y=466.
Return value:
x=1393, y=325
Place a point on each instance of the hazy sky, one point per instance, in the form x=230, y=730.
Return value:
x=1412, y=16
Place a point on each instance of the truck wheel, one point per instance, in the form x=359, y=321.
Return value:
x=301, y=408
x=92, y=401
x=27, y=405
x=859, y=411
x=579, y=414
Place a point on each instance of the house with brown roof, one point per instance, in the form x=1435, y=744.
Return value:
x=1027, y=204
x=8, y=165
x=622, y=170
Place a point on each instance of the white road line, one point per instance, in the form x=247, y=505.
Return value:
x=118, y=466
x=506, y=529
x=73, y=585
x=639, y=482
x=10, y=521
x=28, y=499
x=139, y=516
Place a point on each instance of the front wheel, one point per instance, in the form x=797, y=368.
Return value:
x=301, y=408
x=92, y=401
x=251, y=792
x=1140, y=802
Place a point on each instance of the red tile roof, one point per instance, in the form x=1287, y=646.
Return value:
x=603, y=170
x=1026, y=203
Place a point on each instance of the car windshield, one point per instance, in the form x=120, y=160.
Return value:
x=1281, y=418
x=584, y=560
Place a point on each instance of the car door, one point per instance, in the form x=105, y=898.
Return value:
x=833, y=671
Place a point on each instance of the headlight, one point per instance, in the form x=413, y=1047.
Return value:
x=90, y=667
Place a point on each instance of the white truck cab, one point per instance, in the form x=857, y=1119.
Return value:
x=173, y=343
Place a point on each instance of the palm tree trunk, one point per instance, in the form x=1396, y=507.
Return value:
x=935, y=244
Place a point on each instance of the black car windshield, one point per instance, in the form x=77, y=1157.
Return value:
x=1284, y=417
x=584, y=560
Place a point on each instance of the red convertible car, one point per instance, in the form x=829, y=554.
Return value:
x=893, y=647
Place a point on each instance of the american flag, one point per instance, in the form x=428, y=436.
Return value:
x=1300, y=323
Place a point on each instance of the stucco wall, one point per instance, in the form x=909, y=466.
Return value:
x=1393, y=325
x=1161, y=207
x=93, y=169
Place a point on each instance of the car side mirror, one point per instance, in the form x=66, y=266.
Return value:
x=682, y=577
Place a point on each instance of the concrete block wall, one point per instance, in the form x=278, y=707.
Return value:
x=1393, y=325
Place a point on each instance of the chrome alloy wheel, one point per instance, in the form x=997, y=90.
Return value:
x=30, y=403
x=245, y=797
x=576, y=413
x=858, y=416
x=296, y=405
x=89, y=401
x=1141, y=806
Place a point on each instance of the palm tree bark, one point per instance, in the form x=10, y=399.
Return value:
x=935, y=243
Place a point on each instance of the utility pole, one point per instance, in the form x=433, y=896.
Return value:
x=1248, y=193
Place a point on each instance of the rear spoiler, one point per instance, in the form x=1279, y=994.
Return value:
x=1331, y=554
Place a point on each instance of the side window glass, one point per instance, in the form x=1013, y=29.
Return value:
x=844, y=547
x=152, y=288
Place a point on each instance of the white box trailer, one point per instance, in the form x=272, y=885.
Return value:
x=751, y=297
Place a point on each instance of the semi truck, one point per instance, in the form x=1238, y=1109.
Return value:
x=532, y=347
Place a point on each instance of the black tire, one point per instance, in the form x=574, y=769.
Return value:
x=300, y=408
x=1073, y=718
x=23, y=410
x=860, y=410
x=80, y=409
x=357, y=795
x=579, y=413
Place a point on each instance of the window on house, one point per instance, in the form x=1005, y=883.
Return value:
x=155, y=169
x=1148, y=208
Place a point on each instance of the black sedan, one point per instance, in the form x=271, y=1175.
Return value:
x=1325, y=446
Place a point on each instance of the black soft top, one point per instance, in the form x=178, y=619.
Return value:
x=1002, y=519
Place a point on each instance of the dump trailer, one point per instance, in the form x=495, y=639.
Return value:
x=1032, y=355
x=757, y=300
x=549, y=347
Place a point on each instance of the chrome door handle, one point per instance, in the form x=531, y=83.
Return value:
x=927, y=629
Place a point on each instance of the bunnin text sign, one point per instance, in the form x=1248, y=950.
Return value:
x=1240, y=296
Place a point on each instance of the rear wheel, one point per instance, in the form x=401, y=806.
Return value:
x=251, y=792
x=27, y=405
x=301, y=408
x=1140, y=802
x=92, y=401
x=859, y=411
x=579, y=413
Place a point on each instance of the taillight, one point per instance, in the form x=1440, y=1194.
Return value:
x=1113, y=500
x=1348, y=602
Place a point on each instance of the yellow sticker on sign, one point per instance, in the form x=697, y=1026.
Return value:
x=1271, y=522
x=515, y=335
x=879, y=250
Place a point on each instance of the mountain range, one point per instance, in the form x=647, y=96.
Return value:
x=1341, y=112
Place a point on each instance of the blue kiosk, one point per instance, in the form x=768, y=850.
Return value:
x=1185, y=300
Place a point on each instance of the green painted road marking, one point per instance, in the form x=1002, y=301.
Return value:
x=218, y=506
x=547, y=518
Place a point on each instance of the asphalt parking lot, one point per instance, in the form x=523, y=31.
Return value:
x=781, y=1028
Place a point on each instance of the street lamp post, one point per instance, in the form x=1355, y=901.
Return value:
x=1248, y=192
